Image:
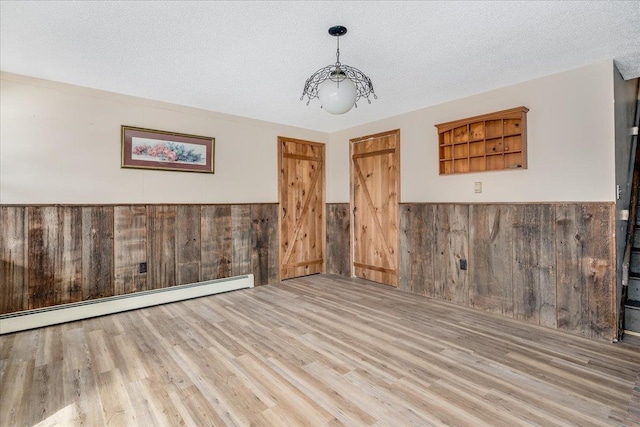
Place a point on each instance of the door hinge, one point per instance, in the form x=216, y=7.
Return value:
x=618, y=192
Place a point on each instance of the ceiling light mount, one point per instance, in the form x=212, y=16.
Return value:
x=338, y=86
x=338, y=31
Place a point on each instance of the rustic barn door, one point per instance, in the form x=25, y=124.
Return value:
x=375, y=194
x=302, y=209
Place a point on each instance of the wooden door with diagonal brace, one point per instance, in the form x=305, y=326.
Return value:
x=375, y=195
x=301, y=193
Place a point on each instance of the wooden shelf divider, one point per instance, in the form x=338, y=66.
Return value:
x=490, y=142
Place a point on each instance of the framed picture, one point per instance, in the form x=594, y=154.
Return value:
x=156, y=149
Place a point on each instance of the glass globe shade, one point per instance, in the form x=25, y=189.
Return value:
x=337, y=97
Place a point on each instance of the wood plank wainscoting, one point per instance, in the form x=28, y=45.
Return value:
x=338, y=239
x=67, y=253
x=549, y=264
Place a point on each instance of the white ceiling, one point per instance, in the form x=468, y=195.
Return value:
x=252, y=58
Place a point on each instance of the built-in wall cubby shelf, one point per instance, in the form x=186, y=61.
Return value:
x=490, y=142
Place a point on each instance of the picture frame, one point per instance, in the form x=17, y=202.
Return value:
x=161, y=150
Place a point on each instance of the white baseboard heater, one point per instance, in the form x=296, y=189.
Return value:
x=29, y=319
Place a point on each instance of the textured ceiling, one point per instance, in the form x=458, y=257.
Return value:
x=252, y=58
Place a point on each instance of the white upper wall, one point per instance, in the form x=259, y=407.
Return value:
x=61, y=144
x=570, y=142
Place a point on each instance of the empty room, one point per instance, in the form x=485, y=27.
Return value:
x=319, y=213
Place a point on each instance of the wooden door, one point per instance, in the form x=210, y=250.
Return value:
x=375, y=194
x=302, y=207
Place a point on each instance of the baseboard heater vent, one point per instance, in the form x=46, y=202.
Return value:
x=29, y=319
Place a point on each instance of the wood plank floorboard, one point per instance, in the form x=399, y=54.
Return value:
x=320, y=350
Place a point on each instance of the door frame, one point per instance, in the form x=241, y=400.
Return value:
x=353, y=141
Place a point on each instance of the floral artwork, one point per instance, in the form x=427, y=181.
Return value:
x=149, y=149
x=167, y=151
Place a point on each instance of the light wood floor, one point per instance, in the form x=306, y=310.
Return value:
x=320, y=350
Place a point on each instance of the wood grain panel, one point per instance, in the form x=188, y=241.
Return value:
x=534, y=264
x=521, y=241
x=301, y=197
x=130, y=248
x=602, y=267
x=452, y=244
x=422, y=267
x=491, y=258
x=375, y=196
x=418, y=249
x=241, y=232
x=188, y=244
x=338, y=239
x=69, y=265
x=87, y=252
x=97, y=252
x=572, y=294
x=560, y=254
x=585, y=269
x=14, y=271
x=406, y=248
x=264, y=247
x=216, y=241
x=161, y=241
x=55, y=254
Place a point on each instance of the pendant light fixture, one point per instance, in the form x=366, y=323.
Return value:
x=338, y=86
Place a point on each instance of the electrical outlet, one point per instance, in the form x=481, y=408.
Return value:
x=477, y=187
x=143, y=267
x=463, y=264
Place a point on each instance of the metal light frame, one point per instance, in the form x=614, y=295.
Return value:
x=337, y=72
